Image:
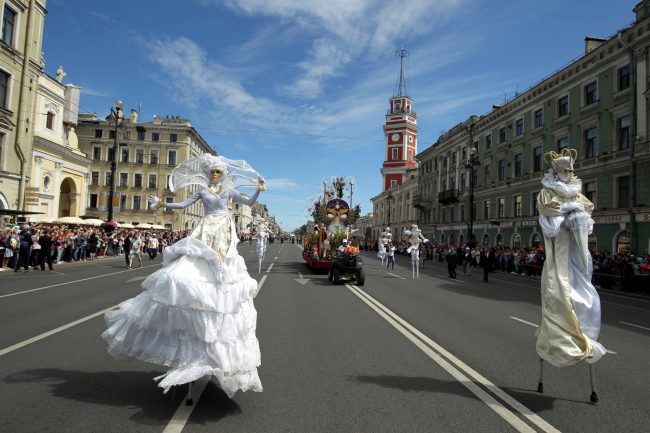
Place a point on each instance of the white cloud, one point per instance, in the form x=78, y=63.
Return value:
x=344, y=30
x=281, y=183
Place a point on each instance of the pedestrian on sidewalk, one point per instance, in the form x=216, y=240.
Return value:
x=452, y=261
x=25, y=249
x=45, y=242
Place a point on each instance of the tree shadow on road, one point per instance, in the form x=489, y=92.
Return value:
x=130, y=389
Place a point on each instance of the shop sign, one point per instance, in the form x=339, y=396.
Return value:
x=608, y=219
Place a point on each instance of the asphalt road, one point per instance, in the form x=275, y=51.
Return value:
x=396, y=355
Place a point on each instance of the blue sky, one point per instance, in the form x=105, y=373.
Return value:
x=300, y=88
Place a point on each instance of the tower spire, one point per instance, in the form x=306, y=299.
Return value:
x=401, y=85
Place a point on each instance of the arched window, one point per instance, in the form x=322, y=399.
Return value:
x=592, y=242
x=499, y=240
x=623, y=242
x=486, y=240
x=442, y=238
x=516, y=240
x=461, y=240
x=535, y=240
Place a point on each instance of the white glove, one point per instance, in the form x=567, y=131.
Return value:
x=571, y=206
x=153, y=202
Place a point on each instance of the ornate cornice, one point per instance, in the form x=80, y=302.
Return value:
x=61, y=151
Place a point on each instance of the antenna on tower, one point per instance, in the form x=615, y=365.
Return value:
x=401, y=86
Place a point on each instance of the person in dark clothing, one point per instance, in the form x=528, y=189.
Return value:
x=25, y=239
x=46, y=250
x=452, y=261
x=127, y=248
x=486, y=261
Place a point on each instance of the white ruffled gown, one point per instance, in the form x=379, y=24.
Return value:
x=196, y=314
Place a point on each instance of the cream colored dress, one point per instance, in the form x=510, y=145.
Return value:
x=570, y=323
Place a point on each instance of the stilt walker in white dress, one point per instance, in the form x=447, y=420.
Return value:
x=262, y=238
x=196, y=315
x=382, y=245
x=570, y=323
x=415, y=238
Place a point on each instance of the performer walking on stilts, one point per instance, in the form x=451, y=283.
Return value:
x=196, y=315
x=570, y=322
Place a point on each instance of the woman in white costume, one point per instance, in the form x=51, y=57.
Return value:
x=196, y=315
x=262, y=238
x=415, y=237
x=570, y=324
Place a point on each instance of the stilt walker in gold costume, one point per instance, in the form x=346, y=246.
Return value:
x=570, y=323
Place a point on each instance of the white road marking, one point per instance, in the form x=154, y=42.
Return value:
x=524, y=321
x=71, y=282
x=182, y=414
x=302, y=280
x=269, y=269
x=636, y=326
x=53, y=331
x=259, y=286
x=537, y=326
x=397, y=276
x=419, y=339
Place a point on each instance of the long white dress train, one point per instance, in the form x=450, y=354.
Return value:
x=196, y=314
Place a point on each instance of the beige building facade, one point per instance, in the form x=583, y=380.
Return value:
x=21, y=66
x=147, y=153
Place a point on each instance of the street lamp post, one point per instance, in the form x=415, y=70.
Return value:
x=117, y=115
x=471, y=162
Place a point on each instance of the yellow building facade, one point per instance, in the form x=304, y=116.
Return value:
x=147, y=153
x=21, y=66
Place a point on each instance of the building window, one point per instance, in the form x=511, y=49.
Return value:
x=49, y=122
x=502, y=135
x=486, y=209
x=591, y=142
x=8, y=25
x=111, y=134
x=94, y=178
x=153, y=157
x=124, y=177
x=563, y=106
x=93, y=200
x=501, y=207
x=136, y=202
x=125, y=155
x=394, y=155
x=623, y=126
x=171, y=157
x=624, y=77
x=98, y=133
x=537, y=159
x=140, y=136
x=109, y=154
x=173, y=138
x=393, y=183
x=539, y=118
x=519, y=127
x=590, y=191
x=488, y=141
x=97, y=153
x=123, y=198
x=461, y=186
x=591, y=93
x=623, y=192
x=107, y=178
x=169, y=176
x=4, y=85
x=152, y=180
x=137, y=180
x=155, y=136
x=517, y=205
x=139, y=156
x=487, y=177
x=463, y=153
x=501, y=174
x=519, y=164
x=534, y=203
x=562, y=143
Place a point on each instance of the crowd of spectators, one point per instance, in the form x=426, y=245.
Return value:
x=35, y=246
x=624, y=271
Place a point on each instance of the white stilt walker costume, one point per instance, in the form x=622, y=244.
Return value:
x=415, y=238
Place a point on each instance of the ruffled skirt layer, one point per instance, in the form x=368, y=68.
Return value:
x=196, y=316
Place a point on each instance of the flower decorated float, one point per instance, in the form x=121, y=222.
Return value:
x=333, y=218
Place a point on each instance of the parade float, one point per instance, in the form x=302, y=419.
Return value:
x=331, y=239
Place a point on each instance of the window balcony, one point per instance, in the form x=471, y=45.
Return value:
x=447, y=197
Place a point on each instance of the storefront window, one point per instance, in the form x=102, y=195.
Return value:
x=623, y=242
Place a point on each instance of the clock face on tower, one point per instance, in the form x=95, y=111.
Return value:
x=394, y=137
